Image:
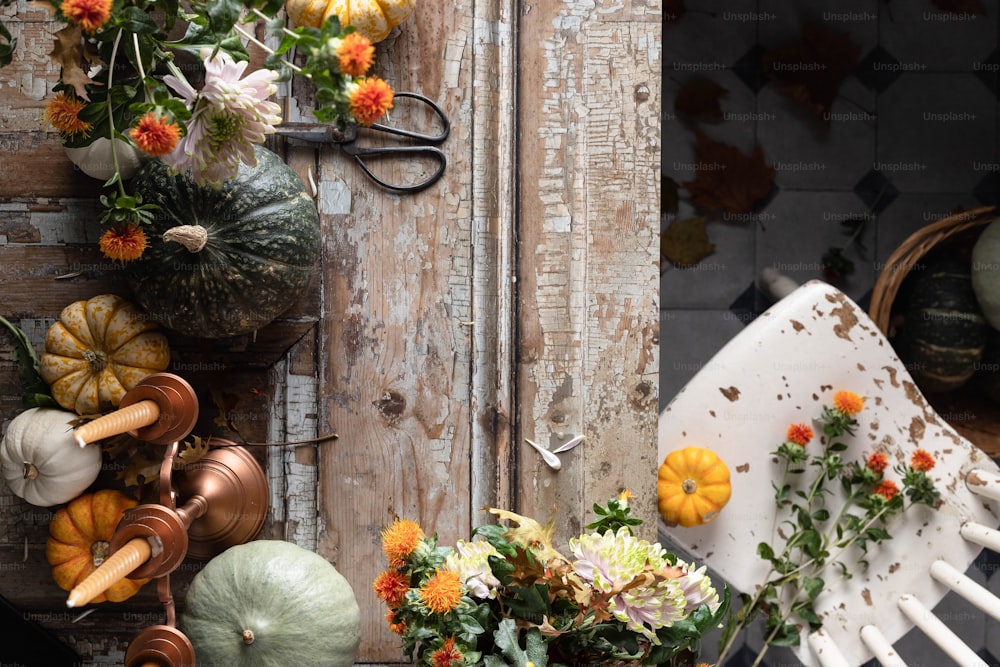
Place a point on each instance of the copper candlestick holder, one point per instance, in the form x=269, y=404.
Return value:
x=224, y=500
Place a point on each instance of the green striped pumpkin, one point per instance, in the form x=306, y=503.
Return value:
x=943, y=332
x=223, y=262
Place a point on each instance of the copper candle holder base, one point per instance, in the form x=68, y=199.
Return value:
x=160, y=645
x=232, y=482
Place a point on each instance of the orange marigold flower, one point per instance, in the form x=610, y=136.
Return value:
x=390, y=618
x=88, y=14
x=400, y=539
x=447, y=655
x=800, y=434
x=63, y=113
x=370, y=100
x=878, y=462
x=155, y=136
x=391, y=587
x=922, y=460
x=442, y=591
x=887, y=489
x=123, y=245
x=848, y=403
x=356, y=54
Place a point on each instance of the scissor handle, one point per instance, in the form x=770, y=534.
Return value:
x=419, y=136
x=359, y=153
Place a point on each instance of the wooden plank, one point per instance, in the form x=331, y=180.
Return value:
x=589, y=194
x=394, y=353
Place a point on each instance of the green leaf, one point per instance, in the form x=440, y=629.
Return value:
x=7, y=46
x=765, y=551
x=506, y=639
x=36, y=392
x=813, y=586
x=135, y=20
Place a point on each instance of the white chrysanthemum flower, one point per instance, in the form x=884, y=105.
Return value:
x=611, y=561
x=471, y=561
x=228, y=116
x=697, y=587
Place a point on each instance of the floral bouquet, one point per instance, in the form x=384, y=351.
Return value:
x=510, y=597
x=141, y=79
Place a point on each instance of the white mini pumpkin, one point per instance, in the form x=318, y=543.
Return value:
x=41, y=461
x=96, y=161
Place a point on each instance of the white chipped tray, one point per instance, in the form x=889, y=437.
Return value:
x=783, y=368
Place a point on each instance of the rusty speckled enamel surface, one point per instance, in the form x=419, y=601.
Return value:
x=783, y=368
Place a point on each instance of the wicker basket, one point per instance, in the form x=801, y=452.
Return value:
x=966, y=410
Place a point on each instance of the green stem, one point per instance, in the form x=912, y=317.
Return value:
x=111, y=115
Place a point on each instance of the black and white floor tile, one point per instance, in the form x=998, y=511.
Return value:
x=913, y=136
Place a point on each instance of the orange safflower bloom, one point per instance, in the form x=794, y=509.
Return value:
x=447, y=655
x=922, y=460
x=878, y=462
x=400, y=539
x=356, y=54
x=800, y=434
x=63, y=113
x=88, y=14
x=391, y=587
x=442, y=592
x=887, y=489
x=848, y=403
x=390, y=618
x=123, y=245
x=155, y=136
x=371, y=99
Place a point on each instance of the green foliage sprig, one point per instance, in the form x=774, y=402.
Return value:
x=816, y=539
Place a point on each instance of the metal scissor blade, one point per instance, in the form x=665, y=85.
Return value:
x=316, y=133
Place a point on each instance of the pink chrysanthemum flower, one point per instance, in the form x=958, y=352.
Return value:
x=228, y=116
x=610, y=562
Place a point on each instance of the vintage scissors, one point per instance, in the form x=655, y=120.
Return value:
x=425, y=146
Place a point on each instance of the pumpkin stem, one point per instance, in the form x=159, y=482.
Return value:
x=30, y=470
x=99, y=552
x=689, y=485
x=96, y=361
x=192, y=237
x=248, y=637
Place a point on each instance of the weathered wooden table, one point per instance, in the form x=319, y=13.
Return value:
x=515, y=298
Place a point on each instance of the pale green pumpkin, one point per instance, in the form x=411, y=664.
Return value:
x=270, y=603
x=986, y=273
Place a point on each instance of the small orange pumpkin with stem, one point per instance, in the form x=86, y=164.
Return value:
x=79, y=541
x=692, y=487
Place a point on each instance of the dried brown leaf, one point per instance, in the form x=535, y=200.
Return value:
x=67, y=51
x=699, y=99
x=191, y=451
x=685, y=242
x=728, y=179
x=811, y=70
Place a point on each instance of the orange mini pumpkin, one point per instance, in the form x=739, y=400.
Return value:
x=79, y=541
x=693, y=486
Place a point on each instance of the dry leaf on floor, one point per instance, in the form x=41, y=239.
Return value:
x=699, y=99
x=811, y=70
x=685, y=242
x=728, y=179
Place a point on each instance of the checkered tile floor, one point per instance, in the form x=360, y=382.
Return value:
x=913, y=137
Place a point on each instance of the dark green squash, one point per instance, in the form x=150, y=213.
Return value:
x=944, y=331
x=223, y=262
